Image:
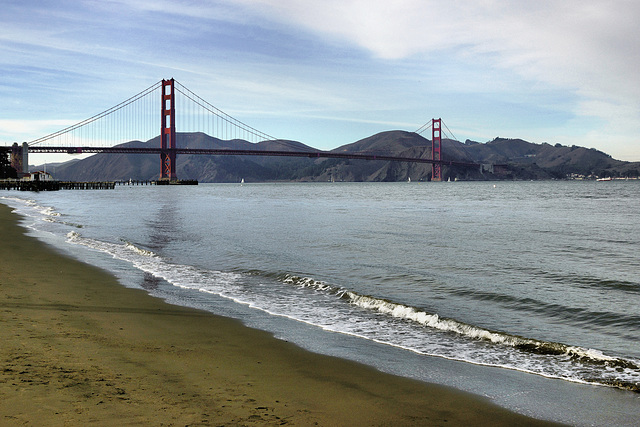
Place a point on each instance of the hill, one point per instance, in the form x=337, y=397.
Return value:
x=542, y=161
x=517, y=159
x=119, y=166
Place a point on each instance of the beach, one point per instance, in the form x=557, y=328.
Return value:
x=80, y=348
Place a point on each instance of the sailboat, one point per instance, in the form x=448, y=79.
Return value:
x=242, y=181
x=409, y=180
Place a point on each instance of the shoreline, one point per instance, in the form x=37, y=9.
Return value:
x=78, y=347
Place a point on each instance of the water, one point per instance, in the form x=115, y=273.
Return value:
x=534, y=277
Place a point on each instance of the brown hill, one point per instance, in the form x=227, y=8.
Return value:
x=203, y=168
x=556, y=161
x=519, y=159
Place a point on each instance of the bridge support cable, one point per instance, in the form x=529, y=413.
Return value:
x=223, y=125
x=129, y=120
x=449, y=134
x=424, y=127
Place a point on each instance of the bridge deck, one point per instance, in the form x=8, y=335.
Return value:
x=230, y=152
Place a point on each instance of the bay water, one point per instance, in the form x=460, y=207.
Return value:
x=525, y=292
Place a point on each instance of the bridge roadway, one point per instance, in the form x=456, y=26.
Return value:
x=231, y=152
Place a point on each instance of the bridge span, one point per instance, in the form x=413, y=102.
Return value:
x=129, y=116
x=234, y=152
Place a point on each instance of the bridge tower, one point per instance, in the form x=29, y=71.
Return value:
x=436, y=153
x=20, y=158
x=168, y=132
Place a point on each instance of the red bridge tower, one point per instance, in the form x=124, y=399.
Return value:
x=168, y=133
x=436, y=153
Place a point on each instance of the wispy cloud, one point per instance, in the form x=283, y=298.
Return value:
x=23, y=130
x=546, y=70
x=587, y=48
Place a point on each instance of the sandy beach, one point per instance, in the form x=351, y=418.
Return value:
x=78, y=348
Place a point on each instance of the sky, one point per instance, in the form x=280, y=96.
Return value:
x=331, y=72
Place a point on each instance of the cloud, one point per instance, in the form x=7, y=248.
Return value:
x=565, y=43
x=590, y=49
x=541, y=69
x=16, y=130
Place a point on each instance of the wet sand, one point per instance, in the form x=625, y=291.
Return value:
x=79, y=348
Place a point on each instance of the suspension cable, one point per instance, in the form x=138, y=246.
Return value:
x=92, y=119
x=424, y=127
x=453, y=137
x=229, y=122
x=216, y=111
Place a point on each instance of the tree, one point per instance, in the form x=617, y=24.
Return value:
x=6, y=171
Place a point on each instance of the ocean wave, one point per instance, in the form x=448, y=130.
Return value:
x=34, y=207
x=183, y=276
x=573, y=314
x=31, y=209
x=43, y=210
x=138, y=250
x=17, y=199
x=307, y=282
x=584, y=355
x=48, y=211
x=569, y=354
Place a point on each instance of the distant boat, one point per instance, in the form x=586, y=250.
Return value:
x=605, y=179
x=242, y=181
x=409, y=180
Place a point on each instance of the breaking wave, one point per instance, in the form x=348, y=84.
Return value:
x=591, y=359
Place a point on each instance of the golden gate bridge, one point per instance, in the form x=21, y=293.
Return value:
x=136, y=119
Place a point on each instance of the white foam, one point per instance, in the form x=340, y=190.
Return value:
x=138, y=250
x=145, y=260
x=307, y=282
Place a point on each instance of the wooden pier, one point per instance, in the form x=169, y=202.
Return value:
x=159, y=182
x=20, y=185
x=177, y=182
x=137, y=182
x=100, y=185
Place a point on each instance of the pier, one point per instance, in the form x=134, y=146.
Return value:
x=159, y=182
x=137, y=182
x=21, y=185
x=50, y=185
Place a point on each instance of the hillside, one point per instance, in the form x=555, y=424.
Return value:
x=203, y=168
x=518, y=159
x=550, y=161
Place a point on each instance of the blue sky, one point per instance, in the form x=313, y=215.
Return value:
x=331, y=72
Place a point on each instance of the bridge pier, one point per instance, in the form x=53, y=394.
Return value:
x=20, y=158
